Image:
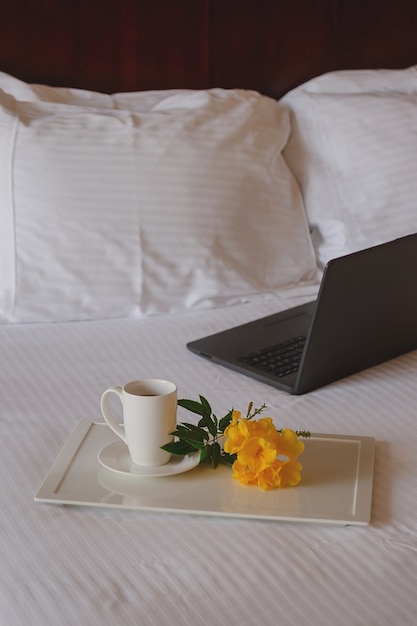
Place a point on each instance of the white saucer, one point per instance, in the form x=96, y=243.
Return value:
x=116, y=457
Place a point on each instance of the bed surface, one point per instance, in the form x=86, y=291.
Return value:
x=100, y=566
x=71, y=565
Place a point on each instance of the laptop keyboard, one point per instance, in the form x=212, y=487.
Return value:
x=280, y=359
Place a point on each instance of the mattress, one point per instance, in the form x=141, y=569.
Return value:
x=84, y=565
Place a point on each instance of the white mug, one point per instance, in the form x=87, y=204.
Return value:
x=149, y=416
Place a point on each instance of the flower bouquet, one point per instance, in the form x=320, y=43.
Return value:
x=258, y=452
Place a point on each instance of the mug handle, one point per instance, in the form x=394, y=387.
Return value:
x=107, y=414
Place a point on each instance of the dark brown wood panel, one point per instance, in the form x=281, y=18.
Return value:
x=267, y=45
x=383, y=34
x=39, y=40
x=162, y=45
x=106, y=45
x=287, y=43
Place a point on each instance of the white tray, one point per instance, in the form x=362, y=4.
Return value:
x=336, y=485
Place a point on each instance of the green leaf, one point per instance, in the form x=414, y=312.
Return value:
x=225, y=421
x=194, y=433
x=228, y=459
x=206, y=407
x=192, y=405
x=197, y=445
x=196, y=429
x=205, y=454
x=180, y=448
x=215, y=454
x=303, y=433
x=207, y=422
x=212, y=426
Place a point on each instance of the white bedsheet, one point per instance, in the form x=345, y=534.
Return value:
x=73, y=565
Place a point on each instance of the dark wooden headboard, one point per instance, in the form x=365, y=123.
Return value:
x=267, y=45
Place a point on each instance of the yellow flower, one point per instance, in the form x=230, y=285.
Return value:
x=290, y=445
x=233, y=435
x=265, y=457
x=243, y=474
x=240, y=429
x=257, y=453
x=278, y=474
x=290, y=473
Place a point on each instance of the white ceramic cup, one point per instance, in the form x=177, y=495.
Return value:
x=149, y=416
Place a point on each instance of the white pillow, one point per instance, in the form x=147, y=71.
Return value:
x=136, y=100
x=363, y=81
x=355, y=158
x=109, y=213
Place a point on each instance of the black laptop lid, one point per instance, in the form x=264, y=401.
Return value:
x=366, y=313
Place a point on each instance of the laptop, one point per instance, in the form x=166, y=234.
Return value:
x=365, y=313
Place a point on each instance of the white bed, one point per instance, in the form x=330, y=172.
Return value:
x=101, y=322
x=97, y=566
